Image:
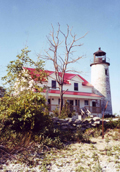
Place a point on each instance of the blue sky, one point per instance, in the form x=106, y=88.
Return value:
x=27, y=22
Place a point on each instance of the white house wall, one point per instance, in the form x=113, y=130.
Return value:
x=70, y=86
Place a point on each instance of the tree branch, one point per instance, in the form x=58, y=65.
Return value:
x=73, y=61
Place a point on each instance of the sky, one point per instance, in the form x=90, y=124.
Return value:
x=28, y=22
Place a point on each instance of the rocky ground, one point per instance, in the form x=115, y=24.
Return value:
x=100, y=155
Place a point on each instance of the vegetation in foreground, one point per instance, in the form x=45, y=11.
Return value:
x=27, y=135
x=43, y=152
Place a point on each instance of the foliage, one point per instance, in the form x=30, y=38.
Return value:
x=69, y=135
x=53, y=142
x=112, y=124
x=93, y=132
x=109, y=116
x=67, y=111
x=2, y=91
x=25, y=112
x=55, y=112
x=15, y=74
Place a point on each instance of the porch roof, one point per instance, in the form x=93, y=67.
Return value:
x=74, y=94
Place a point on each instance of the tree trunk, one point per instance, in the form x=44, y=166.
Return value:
x=61, y=98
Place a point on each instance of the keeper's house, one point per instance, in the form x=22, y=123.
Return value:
x=77, y=91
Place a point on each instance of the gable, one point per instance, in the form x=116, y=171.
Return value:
x=76, y=78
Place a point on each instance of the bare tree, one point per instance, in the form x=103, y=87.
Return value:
x=61, y=62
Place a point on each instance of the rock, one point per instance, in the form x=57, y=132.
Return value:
x=75, y=117
x=64, y=127
x=72, y=128
x=85, y=122
x=88, y=120
x=93, y=125
x=55, y=119
x=83, y=129
x=65, y=120
x=71, y=121
x=90, y=116
x=79, y=126
x=96, y=119
x=84, y=125
x=64, y=124
x=77, y=121
x=97, y=122
x=88, y=126
x=74, y=125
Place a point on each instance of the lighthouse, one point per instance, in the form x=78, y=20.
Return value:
x=100, y=79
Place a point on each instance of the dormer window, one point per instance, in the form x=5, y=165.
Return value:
x=75, y=86
x=53, y=84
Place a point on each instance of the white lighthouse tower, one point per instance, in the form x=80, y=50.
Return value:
x=100, y=79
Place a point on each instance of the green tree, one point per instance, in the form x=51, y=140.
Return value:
x=26, y=110
x=18, y=77
x=2, y=91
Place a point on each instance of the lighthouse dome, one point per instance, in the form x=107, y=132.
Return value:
x=99, y=53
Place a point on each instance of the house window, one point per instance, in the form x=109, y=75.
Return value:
x=75, y=86
x=86, y=102
x=53, y=84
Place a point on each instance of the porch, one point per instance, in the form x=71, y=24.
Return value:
x=76, y=101
x=96, y=110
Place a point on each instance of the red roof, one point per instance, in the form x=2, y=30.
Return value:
x=36, y=74
x=67, y=76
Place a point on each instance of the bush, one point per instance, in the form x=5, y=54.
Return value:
x=66, y=112
x=26, y=112
x=109, y=116
x=112, y=124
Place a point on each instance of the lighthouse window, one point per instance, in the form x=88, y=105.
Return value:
x=106, y=72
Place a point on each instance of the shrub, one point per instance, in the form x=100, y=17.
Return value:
x=109, y=116
x=112, y=124
x=66, y=112
x=55, y=112
x=25, y=112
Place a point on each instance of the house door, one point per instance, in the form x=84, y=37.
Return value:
x=93, y=104
x=77, y=105
x=93, y=107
